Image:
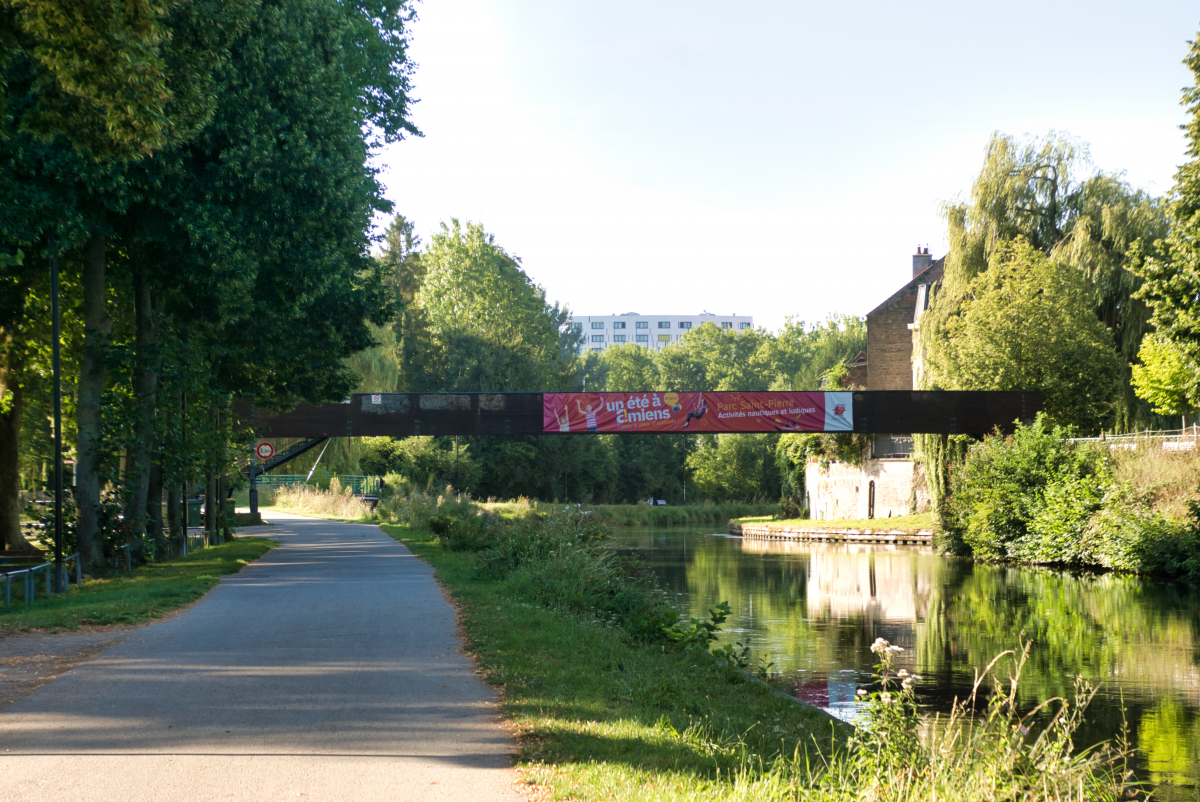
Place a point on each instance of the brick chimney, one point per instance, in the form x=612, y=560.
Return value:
x=921, y=260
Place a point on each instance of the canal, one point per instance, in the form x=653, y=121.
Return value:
x=813, y=610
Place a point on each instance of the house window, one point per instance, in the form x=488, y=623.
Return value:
x=618, y=338
x=641, y=324
x=597, y=338
x=597, y=325
x=743, y=325
x=619, y=325
x=643, y=338
x=726, y=325
x=664, y=338
x=685, y=324
x=664, y=324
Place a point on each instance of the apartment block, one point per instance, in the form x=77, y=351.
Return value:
x=649, y=331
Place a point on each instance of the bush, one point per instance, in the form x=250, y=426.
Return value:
x=1037, y=497
x=1022, y=496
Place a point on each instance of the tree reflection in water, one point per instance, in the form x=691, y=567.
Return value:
x=814, y=609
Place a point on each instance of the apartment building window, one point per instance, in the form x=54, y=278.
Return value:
x=643, y=338
x=618, y=338
x=664, y=324
x=685, y=324
x=597, y=325
x=620, y=324
x=641, y=324
x=576, y=327
x=664, y=338
x=726, y=325
x=597, y=349
x=743, y=325
x=597, y=338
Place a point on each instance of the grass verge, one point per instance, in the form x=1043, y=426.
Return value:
x=913, y=523
x=146, y=593
x=602, y=716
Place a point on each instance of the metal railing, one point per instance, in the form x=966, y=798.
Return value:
x=359, y=485
x=30, y=589
x=1167, y=439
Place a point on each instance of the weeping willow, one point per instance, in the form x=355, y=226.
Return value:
x=1047, y=192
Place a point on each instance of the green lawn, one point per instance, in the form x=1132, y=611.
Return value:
x=923, y=520
x=601, y=717
x=132, y=598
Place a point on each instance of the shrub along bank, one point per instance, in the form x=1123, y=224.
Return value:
x=616, y=697
x=1037, y=497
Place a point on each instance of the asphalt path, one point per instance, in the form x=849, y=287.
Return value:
x=330, y=669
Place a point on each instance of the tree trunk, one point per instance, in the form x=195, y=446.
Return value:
x=210, y=507
x=12, y=369
x=154, y=515
x=146, y=389
x=174, y=515
x=97, y=330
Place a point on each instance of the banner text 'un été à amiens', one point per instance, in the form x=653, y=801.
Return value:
x=610, y=413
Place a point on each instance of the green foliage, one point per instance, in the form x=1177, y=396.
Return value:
x=494, y=329
x=999, y=507
x=1171, y=267
x=119, y=79
x=425, y=461
x=1027, y=325
x=699, y=633
x=1168, y=376
x=629, y=368
x=1046, y=194
x=1037, y=497
x=735, y=467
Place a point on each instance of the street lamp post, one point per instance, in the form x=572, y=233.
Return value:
x=60, y=571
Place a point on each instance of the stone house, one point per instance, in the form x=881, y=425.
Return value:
x=889, y=482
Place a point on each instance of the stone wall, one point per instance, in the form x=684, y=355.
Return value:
x=842, y=491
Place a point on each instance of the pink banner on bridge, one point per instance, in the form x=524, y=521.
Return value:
x=612, y=413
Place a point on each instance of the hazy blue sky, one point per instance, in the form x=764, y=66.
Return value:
x=764, y=158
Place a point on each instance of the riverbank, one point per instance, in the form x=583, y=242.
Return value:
x=645, y=514
x=602, y=716
x=148, y=592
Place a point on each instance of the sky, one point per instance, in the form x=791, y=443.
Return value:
x=774, y=159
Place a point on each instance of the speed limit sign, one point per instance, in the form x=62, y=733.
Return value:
x=264, y=450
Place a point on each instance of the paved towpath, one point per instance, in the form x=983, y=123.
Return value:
x=329, y=669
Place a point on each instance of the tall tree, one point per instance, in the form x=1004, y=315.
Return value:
x=1171, y=269
x=494, y=328
x=1047, y=193
x=1029, y=325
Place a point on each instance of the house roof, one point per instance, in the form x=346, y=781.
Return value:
x=927, y=276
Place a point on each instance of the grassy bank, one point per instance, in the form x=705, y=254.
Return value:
x=906, y=523
x=602, y=716
x=613, y=699
x=644, y=514
x=399, y=508
x=145, y=593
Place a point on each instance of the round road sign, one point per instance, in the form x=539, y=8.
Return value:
x=264, y=450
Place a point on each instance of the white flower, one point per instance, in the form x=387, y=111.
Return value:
x=862, y=691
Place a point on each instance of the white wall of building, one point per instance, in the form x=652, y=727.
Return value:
x=649, y=331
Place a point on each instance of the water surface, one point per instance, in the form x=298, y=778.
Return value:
x=814, y=609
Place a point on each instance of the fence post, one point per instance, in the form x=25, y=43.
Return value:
x=7, y=590
x=128, y=559
x=78, y=572
x=48, y=585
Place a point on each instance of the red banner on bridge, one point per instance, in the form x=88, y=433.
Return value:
x=611, y=413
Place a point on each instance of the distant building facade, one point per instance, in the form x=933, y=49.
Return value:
x=649, y=331
x=889, y=482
